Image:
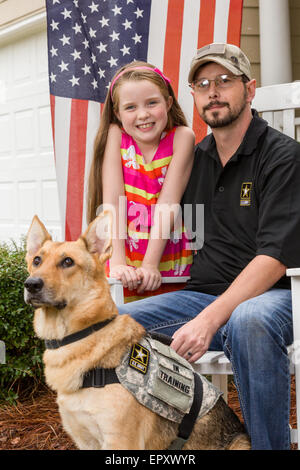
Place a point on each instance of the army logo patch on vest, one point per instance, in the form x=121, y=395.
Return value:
x=246, y=194
x=139, y=358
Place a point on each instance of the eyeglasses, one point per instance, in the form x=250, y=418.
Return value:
x=221, y=81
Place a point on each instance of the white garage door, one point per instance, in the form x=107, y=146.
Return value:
x=27, y=171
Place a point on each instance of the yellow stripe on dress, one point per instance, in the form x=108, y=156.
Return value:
x=141, y=192
x=165, y=265
x=145, y=235
x=157, y=163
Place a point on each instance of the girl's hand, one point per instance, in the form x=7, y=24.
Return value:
x=151, y=278
x=128, y=275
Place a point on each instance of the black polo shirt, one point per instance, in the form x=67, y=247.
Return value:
x=251, y=206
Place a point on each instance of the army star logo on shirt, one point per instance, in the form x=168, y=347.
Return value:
x=139, y=358
x=246, y=194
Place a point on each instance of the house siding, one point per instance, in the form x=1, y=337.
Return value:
x=12, y=11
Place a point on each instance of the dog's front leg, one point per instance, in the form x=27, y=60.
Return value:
x=86, y=445
x=121, y=446
x=81, y=436
x=123, y=443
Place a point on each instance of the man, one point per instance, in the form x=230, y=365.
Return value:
x=238, y=298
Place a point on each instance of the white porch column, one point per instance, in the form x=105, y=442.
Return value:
x=275, y=42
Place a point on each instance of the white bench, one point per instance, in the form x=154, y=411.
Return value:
x=295, y=352
x=277, y=105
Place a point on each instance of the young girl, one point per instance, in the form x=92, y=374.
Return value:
x=144, y=151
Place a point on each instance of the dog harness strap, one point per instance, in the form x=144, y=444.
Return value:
x=165, y=339
x=188, y=421
x=99, y=377
x=57, y=343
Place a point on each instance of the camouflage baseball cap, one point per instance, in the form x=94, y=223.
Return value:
x=228, y=55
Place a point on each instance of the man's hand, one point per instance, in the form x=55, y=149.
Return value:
x=192, y=340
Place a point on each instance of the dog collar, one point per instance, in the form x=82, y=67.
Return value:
x=57, y=343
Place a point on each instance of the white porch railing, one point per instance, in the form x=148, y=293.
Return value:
x=297, y=123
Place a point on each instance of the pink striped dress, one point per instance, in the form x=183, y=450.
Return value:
x=143, y=183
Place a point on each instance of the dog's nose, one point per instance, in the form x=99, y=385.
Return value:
x=34, y=284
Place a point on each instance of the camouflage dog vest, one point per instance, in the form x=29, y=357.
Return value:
x=163, y=381
x=158, y=377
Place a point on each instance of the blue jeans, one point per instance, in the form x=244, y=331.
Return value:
x=254, y=339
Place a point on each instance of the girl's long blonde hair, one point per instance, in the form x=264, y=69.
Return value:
x=108, y=117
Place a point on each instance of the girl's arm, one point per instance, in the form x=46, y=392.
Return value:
x=113, y=188
x=175, y=182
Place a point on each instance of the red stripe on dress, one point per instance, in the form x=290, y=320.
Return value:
x=168, y=252
x=140, y=199
x=163, y=289
x=150, y=176
x=152, y=186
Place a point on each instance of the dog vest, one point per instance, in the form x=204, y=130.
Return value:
x=163, y=382
x=159, y=379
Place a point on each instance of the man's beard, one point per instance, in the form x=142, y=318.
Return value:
x=233, y=114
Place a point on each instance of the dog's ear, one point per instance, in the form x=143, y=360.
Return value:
x=98, y=236
x=36, y=236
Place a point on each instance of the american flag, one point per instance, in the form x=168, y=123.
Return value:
x=88, y=40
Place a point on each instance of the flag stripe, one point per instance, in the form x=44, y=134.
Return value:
x=221, y=20
x=157, y=31
x=188, y=47
x=206, y=22
x=205, y=36
x=235, y=22
x=52, y=108
x=173, y=42
x=77, y=144
x=62, y=133
x=93, y=122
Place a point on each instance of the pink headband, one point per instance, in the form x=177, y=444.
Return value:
x=166, y=79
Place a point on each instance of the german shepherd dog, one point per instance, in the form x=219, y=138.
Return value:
x=68, y=288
